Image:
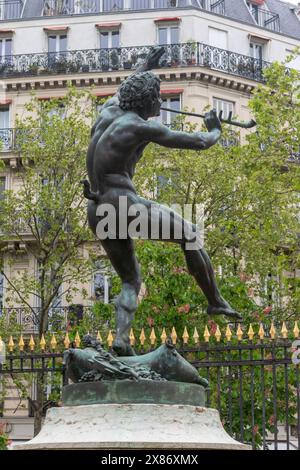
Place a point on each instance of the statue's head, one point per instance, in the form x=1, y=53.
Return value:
x=141, y=93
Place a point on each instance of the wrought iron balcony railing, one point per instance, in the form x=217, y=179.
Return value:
x=265, y=18
x=7, y=139
x=59, y=317
x=11, y=9
x=79, y=7
x=190, y=54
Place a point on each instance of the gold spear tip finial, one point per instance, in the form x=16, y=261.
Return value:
x=98, y=337
x=250, y=332
x=239, y=332
x=131, y=337
x=206, y=334
x=228, y=333
x=31, y=343
x=67, y=341
x=261, y=332
x=163, y=336
x=185, y=336
x=110, y=339
x=42, y=342
x=142, y=337
x=152, y=336
x=218, y=334
x=296, y=330
x=53, y=342
x=196, y=336
x=11, y=344
x=272, y=331
x=21, y=343
x=174, y=336
x=284, y=330
x=77, y=340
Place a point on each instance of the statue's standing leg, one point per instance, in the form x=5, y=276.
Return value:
x=122, y=256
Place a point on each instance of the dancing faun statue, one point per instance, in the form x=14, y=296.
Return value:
x=118, y=139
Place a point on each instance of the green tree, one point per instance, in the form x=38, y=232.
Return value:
x=47, y=213
x=250, y=195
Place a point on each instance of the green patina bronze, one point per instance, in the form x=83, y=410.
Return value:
x=128, y=391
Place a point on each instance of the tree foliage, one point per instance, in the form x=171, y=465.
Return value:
x=250, y=195
x=47, y=213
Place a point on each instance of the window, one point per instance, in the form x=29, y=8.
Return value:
x=2, y=187
x=101, y=287
x=167, y=117
x=5, y=49
x=101, y=284
x=57, y=47
x=109, y=49
x=141, y=4
x=226, y=107
x=5, y=132
x=218, y=38
x=4, y=117
x=168, y=34
x=109, y=39
x=223, y=105
x=213, y=56
x=254, y=10
x=256, y=50
x=59, y=111
x=113, y=5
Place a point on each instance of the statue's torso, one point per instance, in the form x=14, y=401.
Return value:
x=114, y=150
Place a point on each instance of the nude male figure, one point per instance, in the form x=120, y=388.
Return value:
x=119, y=137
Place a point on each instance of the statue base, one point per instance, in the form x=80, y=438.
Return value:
x=126, y=414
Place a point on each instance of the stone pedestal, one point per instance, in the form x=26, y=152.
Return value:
x=161, y=415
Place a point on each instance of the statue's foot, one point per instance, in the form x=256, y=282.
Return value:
x=122, y=348
x=223, y=309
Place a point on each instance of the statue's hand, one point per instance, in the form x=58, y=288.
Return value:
x=212, y=121
x=153, y=57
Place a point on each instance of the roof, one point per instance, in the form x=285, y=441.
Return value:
x=235, y=9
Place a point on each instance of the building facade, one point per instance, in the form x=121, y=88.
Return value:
x=216, y=51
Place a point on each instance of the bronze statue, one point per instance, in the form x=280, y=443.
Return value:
x=94, y=363
x=119, y=137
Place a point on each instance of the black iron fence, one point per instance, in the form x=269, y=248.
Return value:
x=191, y=54
x=254, y=380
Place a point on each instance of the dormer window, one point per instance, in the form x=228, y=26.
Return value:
x=263, y=16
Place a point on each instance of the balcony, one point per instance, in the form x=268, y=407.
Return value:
x=190, y=54
x=11, y=9
x=7, y=140
x=59, y=317
x=265, y=18
x=79, y=7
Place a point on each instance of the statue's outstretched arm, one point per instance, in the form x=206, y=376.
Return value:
x=153, y=131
